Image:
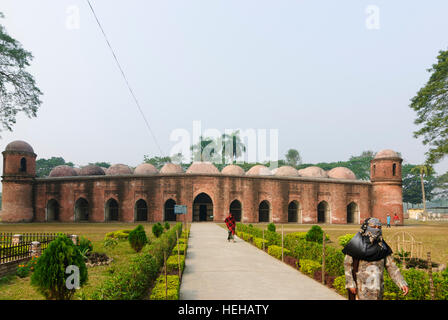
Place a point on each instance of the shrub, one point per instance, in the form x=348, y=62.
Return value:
x=258, y=242
x=49, y=275
x=339, y=285
x=110, y=243
x=119, y=234
x=271, y=227
x=247, y=237
x=315, y=234
x=306, y=250
x=418, y=284
x=441, y=285
x=334, y=261
x=273, y=238
x=85, y=245
x=137, y=238
x=173, y=285
x=276, y=251
x=343, y=240
x=166, y=226
x=308, y=267
x=172, y=263
x=157, y=229
x=181, y=248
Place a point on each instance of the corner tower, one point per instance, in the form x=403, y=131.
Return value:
x=387, y=193
x=19, y=172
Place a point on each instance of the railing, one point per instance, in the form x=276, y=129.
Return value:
x=12, y=252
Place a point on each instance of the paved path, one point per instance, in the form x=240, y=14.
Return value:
x=220, y=270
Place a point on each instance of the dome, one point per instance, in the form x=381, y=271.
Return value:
x=104, y=169
x=63, y=171
x=19, y=145
x=146, y=169
x=78, y=171
x=202, y=167
x=170, y=168
x=233, y=170
x=314, y=172
x=91, y=170
x=286, y=171
x=259, y=170
x=118, y=169
x=387, y=153
x=341, y=173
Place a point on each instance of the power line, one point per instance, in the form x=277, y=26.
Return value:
x=125, y=79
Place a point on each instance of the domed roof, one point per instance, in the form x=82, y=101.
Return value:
x=287, y=171
x=78, y=171
x=314, y=172
x=104, y=169
x=259, y=170
x=386, y=153
x=118, y=169
x=169, y=168
x=63, y=171
x=19, y=145
x=91, y=170
x=233, y=170
x=146, y=169
x=341, y=173
x=202, y=167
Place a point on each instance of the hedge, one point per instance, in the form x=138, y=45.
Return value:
x=258, y=242
x=172, y=263
x=181, y=248
x=276, y=251
x=173, y=286
x=308, y=267
x=119, y=234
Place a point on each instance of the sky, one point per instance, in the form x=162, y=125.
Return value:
x=334, y=78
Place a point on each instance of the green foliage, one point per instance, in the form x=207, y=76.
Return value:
x=119, y=234
x=308, y=267
x=172, y=263
x=412, y=189
x=85, y=245
x=431, y=106
x=137, y=238
x=343, y=240
x=157, y=229
x=49, y=276
x=44, y=166
x=339, y=285
x=315, y=234
x=303, y=249
x=271, y=227
x=23, y=270
x=276, y=251
x=258, y=242
x=157, y=162
x=166, y=226
x=181, y=248
x=172, y=292
x=110, y=243
x=334, y=261
x=100, y=164
x=293, y=157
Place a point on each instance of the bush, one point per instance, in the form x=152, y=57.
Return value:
x=173, y=286
x=271, y=227
x=334, y=261
x=119, y=234
x=172, y=263
x=418, y=284
x=181, y=248
x=85, y=245
x=23, y=270
x=157, y=229
x=110, y=243
x=339, y=285
x=258, y=242
x=137, y=238
x=247, y=237
x=315, y=234
x=308, y=267
x=306, y=250
x=441, y=285
x=343, y=240
x=49, y=275
x=166, y=226
x=276, y=251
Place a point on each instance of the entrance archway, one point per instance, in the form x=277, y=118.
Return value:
x=52, y=210
x=323, y=212
x=235, y=209
x=202, y=208
x=81, y=210
x=169, y=210
x=263, y=211
x=352, y=213
x=141, y=210
x=293, y=211
x=111, y=210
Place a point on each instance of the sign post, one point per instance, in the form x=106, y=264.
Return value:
x=181, y=209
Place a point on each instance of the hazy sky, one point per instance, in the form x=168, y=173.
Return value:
x=334, y=77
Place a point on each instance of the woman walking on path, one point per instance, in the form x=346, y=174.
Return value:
x=231, y=224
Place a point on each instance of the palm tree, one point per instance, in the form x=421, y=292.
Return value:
x=199, y=148
x=232, y=146
x=423, y=170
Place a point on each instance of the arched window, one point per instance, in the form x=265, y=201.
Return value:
x=235, y=209
x=141, y=210
x=81, y=210
x=169, y=210
x=293, y=211
x=394, y=169
x=111, y=210
x=22, y=165
x=263, y=211
x=52, y=210
x=374, y=167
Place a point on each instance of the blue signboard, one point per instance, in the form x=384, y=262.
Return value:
x=180, y=209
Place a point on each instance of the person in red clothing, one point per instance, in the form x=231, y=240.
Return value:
x=231, y=224
x=396, y=219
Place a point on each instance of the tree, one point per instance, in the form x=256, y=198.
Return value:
x=18, y=90
x=44, y=166
x=293, y=157
x=412, y=189
x=441, y=185
x=100, y=164
x=205, y=150
x=431, y=105
x=423, y=170
x=157, y=162
x=137, y=238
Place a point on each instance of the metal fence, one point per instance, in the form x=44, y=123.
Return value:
x=12, y=252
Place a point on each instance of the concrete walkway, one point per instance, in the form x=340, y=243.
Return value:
x=220, y=270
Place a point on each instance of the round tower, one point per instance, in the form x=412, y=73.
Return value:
x=387, y=193
x=19, y=172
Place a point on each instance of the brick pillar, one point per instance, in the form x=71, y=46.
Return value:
x=35, y=249
x=16, y=239
x=74, y=238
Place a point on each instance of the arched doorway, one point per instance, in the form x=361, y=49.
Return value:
x=52, y=210
x=81, y=210
x=111, y=210
x=169, y=210
x=323, y=212
x=141, y=210
x=352, y=213
x=293, y=211
x=235, y=209
x=202, y=208
x=263, y=211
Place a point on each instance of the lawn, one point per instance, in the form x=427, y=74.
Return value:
x=15, y=288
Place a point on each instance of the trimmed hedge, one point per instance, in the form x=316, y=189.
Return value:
x=276, y=251
x=343, y=240
x=339, y=285
x=172, y=263
x=258, y=242
x=308, y=267
x=173, y=285
x=181, y=248
x=119, y=234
